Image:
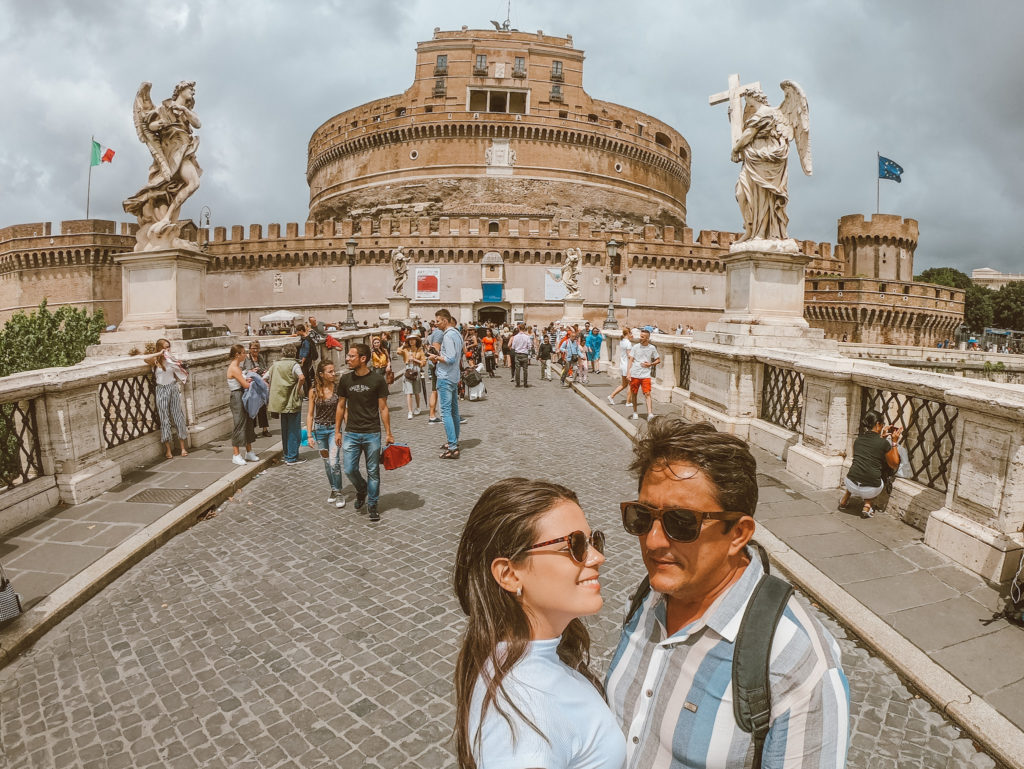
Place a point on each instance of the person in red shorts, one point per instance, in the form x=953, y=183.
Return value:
x=642, y=357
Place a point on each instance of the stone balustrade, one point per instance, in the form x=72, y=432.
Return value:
x=964, y=438
x=69, y=434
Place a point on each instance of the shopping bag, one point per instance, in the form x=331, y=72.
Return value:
x=396, y=455
x=10, y=602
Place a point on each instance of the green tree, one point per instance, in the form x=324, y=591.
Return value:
x=1008, y=304
x=945, y=276
x=43, y=339
x=978, y=310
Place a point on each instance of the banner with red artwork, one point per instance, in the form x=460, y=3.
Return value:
x=428, y=283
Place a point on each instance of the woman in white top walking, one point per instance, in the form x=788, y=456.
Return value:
x=625, y=345
x=243, y=433
x=526, y=570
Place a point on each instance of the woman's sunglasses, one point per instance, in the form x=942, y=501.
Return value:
x=680, y=524
x=578, y=544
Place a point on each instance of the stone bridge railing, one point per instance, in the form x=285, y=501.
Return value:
x=964, y=437
x=69, y=434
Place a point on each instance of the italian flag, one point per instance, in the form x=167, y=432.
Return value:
x=101, y=154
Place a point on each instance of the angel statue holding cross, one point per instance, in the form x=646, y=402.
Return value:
x=166, y=130
x=761, y=138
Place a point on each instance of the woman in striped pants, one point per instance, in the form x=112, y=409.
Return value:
x=168, y=397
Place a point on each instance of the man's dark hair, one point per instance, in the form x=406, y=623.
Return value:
x=724, y=459
x=300, y=327
x=442, y=313
x=362, y=350
x=290, y=350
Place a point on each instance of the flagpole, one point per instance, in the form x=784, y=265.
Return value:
x=878, y=182
x=88, y=188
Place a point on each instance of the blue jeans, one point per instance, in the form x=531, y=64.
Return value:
x=352, y=446
x=448, y=401
x=291, y=432
x=332, y=462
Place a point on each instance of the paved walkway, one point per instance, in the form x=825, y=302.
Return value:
x=283, y=632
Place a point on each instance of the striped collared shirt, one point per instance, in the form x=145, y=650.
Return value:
x=672, y=695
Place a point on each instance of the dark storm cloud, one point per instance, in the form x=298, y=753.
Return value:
x=933, y=84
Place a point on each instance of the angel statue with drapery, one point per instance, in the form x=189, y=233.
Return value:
x=762, y=189
x=166, y=130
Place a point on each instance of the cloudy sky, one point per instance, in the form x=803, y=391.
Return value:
x=937, y=85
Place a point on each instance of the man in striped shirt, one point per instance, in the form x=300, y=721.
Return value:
x=670, y=679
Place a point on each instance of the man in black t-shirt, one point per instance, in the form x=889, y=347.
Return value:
x=362, y=405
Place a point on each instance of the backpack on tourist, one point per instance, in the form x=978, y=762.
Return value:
x=751, y=686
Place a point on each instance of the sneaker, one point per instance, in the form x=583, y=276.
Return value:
x=295, y=462
x=462, y=420
x=339, y=500
x=650, y=417
x=374, y=514
x=435, y=420
x=238, y=459
x=611, y=400
x=416, y=412
x=410, y=415
x=250, y=456
x=634, y=415
x=360, y=501
x=330, y=497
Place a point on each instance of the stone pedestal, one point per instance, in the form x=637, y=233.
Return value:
x=573, y=312
x=764, y=304
x=398, y=308
x=163, y=294
x=163, y=290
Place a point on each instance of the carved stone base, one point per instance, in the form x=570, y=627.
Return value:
x=163, y=290
x=756, y=335
x=985, y=551
x=573, y=312
x=398, y=309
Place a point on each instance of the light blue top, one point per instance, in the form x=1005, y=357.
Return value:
x=451, y=354
x=580, y=731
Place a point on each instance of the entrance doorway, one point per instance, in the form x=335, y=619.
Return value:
x=492, y=314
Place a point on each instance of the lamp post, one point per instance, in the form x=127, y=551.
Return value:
x=613, y=248
x=350, y=251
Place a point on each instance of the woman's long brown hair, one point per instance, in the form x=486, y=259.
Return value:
x=502, y=524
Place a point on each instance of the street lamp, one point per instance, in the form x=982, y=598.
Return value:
x=613, y=249
x=350, y=250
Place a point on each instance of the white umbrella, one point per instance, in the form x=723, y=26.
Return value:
x=281, y=316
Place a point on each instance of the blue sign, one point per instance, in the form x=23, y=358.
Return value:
x=493, y=292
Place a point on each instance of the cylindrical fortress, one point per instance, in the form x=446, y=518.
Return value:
x=497, y=122
x=881, y=247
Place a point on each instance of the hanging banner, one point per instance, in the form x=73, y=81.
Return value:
x=554, y=288
x=428, y=283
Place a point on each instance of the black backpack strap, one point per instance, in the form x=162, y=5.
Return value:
x=751, y=684
x=637, y=598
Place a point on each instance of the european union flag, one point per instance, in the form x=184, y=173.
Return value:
x=889, y=169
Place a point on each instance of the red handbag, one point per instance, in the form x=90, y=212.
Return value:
x=396, y=455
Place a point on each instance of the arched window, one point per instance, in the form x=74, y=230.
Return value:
x=492, y=228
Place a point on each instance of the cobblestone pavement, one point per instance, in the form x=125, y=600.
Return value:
x=285, y=633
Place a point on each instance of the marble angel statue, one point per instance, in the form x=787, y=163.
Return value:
x=166, y=130
x=571, y=271
x=762, y=189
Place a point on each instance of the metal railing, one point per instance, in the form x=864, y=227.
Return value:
x=683, y=380
x=129, y=409
x=20, y=456
x=782, y=397
x=929, y=432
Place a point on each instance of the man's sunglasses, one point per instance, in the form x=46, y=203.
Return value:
x=578, y=544
x=680, y=524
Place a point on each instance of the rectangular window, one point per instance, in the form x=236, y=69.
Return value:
x=556, y=93
x=556, y=70
x=441, y=68
x=519, y=67
x=439, y=87
x=480, y=68
x=478, y=101
x=498, y=102
x=517, y=102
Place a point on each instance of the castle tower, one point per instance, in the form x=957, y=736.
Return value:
x=496, y=123
x=880, y=248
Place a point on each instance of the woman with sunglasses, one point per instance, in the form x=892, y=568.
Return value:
x=526, y=570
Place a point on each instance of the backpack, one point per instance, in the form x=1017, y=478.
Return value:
x=751, y=686
x=471, y=377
